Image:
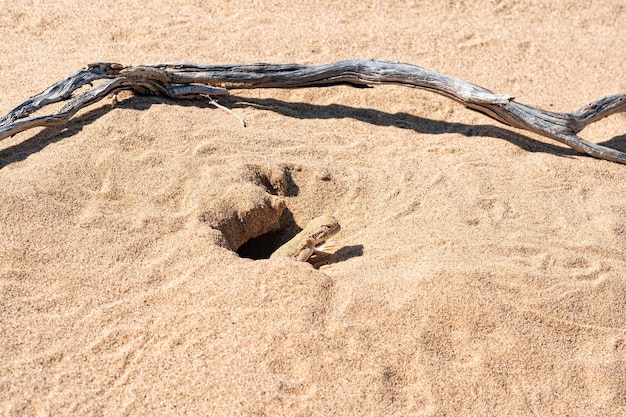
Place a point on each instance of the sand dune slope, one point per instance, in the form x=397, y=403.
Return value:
x=480, y=270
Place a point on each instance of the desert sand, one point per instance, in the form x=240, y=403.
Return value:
x=480, y=269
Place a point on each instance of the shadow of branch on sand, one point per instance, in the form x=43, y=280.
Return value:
x=47, y=136
x=399, y=120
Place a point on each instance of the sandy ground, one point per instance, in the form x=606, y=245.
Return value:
x=480, y=270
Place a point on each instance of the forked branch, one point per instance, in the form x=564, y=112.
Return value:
x=182, y=80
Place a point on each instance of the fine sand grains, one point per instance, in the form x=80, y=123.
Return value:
x=479, y=271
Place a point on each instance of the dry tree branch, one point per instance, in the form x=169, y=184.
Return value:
x=183, y=80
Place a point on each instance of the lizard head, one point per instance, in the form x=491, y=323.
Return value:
x=322, y=228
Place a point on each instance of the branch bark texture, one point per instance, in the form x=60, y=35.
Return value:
x=184, y=81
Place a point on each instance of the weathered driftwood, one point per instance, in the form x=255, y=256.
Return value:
x=182, y=80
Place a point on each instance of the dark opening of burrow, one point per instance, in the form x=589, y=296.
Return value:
x=263, y=246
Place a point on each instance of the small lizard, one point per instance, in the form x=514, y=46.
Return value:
x=302, y=246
